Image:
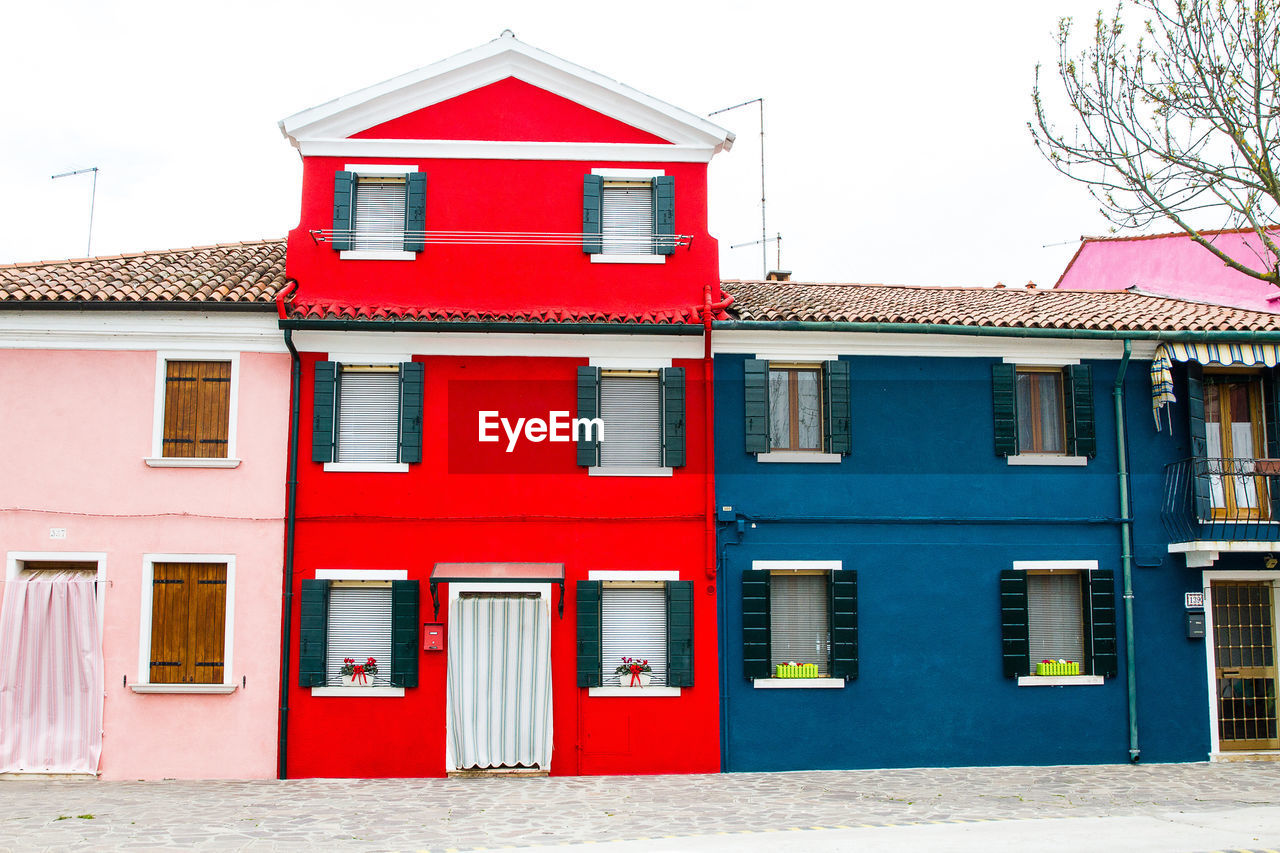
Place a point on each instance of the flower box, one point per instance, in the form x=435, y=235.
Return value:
x=358, y=680
x=640, y=679
x=796, y=670
x=1051, y=667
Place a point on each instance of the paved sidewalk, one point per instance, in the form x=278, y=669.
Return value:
x=824, y=808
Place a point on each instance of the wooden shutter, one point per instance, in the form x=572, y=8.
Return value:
x=664, y=215
x=588, y=408
x=755, y=624
x=673, y=417
x=1078, y=400
x=404, y=634
x=1198, y=436
x=1271, y=416
x=343, y=193
x=837, y=411
x=1102, y=623
x=679, y=596
x=197, y=408
x=756, y=406
x=368, y=416
x=633, y=624
x=380, y=212
x=415, y=212
x=588, y=608
x=631, y=408
x=313, y=629
x=1005, y=404
x=800, y=611
x=592, y=186
x=1013, y=621
x=411, y=382
x=359, y=628
x=1055, y=618
x=209, y=621
x=323, y=410
x=844, y=624
x=188, y=623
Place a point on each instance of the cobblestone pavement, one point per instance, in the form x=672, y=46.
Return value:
x=441, y=814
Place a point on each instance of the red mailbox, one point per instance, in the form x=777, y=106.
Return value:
x=433, y=636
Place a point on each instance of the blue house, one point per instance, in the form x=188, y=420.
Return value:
x=951, y=534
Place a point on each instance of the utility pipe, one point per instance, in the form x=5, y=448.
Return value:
x=291, y=515
x=1126, y=552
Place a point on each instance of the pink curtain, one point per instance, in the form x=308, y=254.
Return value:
x=51, y=685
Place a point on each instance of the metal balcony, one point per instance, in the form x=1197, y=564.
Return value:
x=1222, y=500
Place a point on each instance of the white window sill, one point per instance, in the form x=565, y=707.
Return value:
x=797, y=683
x=1047, y=459
x=189, y=462
x=1059, y=680
x=627, y=471
x=364, y=692
x=628, y=259
x=376, y=255
x=183, y=688
x=634, y=692
x=368, y=467
x=797, y=456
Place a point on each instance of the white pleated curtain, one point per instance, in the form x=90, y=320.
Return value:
x=499, y=672
x=51, y=686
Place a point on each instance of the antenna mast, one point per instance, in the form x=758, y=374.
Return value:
x=764, y=231
x=93, y=196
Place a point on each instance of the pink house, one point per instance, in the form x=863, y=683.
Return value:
x=144, y=426
x=1173, y=265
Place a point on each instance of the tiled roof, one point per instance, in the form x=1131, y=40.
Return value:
x=227, y=273
x=1121, y=311
x=344, y=311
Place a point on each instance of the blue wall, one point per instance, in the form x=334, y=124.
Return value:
x=930, y=689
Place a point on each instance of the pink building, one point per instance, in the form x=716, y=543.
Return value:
x=144, y=421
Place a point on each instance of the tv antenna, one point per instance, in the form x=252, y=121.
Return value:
x=764, y=231
x=776, y=240
x=93, y=195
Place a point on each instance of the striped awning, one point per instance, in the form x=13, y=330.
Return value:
x=1224, y=354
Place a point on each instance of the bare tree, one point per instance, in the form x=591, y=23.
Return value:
x=1180, y=124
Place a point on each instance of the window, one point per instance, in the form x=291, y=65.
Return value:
x=188, y=623
x=195, y=411
x=795, y=407
x=633, y=624
x=355, y=616
x=359, y=628
x=1234, y=436
x=797, y=412
x=628, y=215
x=1043, y=415
x=641, y=413
x=1040, y=411
x=635, y=617
x=1058, y=612
x=379, y=212
x=367, y=417
x=799, y=623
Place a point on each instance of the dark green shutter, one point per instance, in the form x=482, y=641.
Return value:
x=1014, y=639
x=588, y=408
x=837, y=409
x=844, y=624
x=1199, y=438
x=344, y=190
x=404, y=633
x=1102, y=622
x=411, y=375
x=1005, y=401
x=756, y=398
x=755, y=625
x=313, y=630
x=415, y=212
x=323, y=409
x=592, y=225
x=588, y=604
x=664, y=215
x=1078, y=395
x=679, y=633
x=673, y=411
x=1271, y=415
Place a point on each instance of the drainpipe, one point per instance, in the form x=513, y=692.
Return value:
x=1126, y=552
x=291, y=514
x=709, y=310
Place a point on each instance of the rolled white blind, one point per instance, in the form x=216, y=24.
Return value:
x=631, y=408
x=1055, y=619
x=800, y=620
x=633, y=624
x=379, y=214
x=626, y=216
x=368, y=417
x=359, y=628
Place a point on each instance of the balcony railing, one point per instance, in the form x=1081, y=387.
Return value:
x=1222, y=500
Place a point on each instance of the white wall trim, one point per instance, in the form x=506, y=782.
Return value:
x=815, y=358
x=15, y=559
x=376, y=255
x=1040, y=361
x=193, y=462
x=387, y=348
x=388, y=359
x=627, y=471
x=628, y=575
x=367, y=467
x=798, y=456
x=143, y=676
x=358, y=692
x=634, y=692
x=163, y=357
x=797, y=566
x=211, y=332
x=1059, y=680
x=797, y=683
x=184, y=688
x=1206, y=586
x=1055, y=565
x=381, y=170
x=805, y=346
x=446, y=149
x=1048, y=460
x=362, y=574
x=606, y=362
x=601, y=258
x=611, y=174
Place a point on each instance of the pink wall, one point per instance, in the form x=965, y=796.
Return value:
x=77, y=426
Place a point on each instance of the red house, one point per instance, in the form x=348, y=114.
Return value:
x=502, y=433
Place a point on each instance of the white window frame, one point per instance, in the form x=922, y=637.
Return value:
x=626, y=175
x=157, y=459
x=385, y=359
x=1216, y=752
x=376, y=170
x=1048, y=460
x=1082, y=568
x=779, y=566
x=624, y=576
x=15, y=565
x=142, y=682
x=381, y=577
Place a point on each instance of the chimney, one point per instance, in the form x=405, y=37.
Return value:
x=778, y=275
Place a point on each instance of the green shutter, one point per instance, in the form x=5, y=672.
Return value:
x=411, y=375
x=415, y=212
x=673, y=417
x=1081, y=431
x=755, y=624
x=1271, y=416
x=404, y=633
x=313, y=630
x=664, y=215
x=756, y=398
x=1004, y=398
x=592, y=225
x=844, y=624
x=1102, y=623
x=679, y=633
x=588, y=604
x=837, y=408
x=588, y=408
x=1014, y=640
x=323, y=409
x=1198, y=436
x=344, y=185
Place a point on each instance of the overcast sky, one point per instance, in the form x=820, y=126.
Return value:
x=896, y=142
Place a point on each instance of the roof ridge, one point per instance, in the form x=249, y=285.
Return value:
x=146, y=253
x=1085, y=238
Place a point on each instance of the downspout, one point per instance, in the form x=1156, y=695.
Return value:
x=711, y=556
x=291, y=515
x=1126, y=552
